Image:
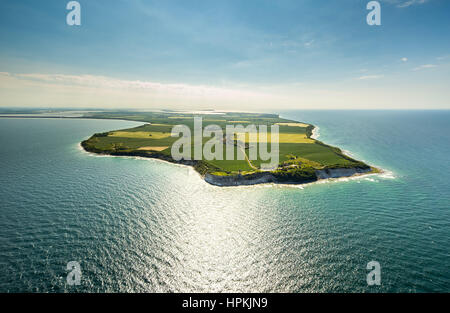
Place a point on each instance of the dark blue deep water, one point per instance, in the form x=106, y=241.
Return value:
x=139, y=225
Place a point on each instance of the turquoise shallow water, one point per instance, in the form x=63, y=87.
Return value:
x=139, y=225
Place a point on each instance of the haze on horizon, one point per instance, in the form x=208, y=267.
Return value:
x=225, y=55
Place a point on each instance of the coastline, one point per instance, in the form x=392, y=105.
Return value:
x=380, y=171
x=315, y=133
x=257, y=178
x=356, y=176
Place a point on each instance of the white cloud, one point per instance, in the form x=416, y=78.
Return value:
x=103, y=82
x=443, y=57
x=90, y=91
x=425, y=66
x=404, y=59
x=102, y=91
x=366, y=77
x=410, y=3
x=405, y=4
x=309, y=43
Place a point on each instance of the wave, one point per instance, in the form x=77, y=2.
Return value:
x=315, y=133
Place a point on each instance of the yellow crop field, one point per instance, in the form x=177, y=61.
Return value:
x=293, y=124
x=283, y=138
x=151, y=135
x=153, y=148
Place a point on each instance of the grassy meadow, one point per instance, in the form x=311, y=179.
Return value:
x=299, y=154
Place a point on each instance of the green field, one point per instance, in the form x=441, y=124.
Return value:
x=299, y=154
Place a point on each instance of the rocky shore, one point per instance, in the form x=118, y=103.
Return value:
x=268, y=177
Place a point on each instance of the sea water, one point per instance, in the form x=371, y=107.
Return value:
x=138, y=225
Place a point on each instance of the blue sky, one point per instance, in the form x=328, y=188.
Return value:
x=226, y=54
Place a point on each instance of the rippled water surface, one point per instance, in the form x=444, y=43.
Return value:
x=139, y=225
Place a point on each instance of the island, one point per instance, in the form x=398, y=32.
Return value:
x=301, y=157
